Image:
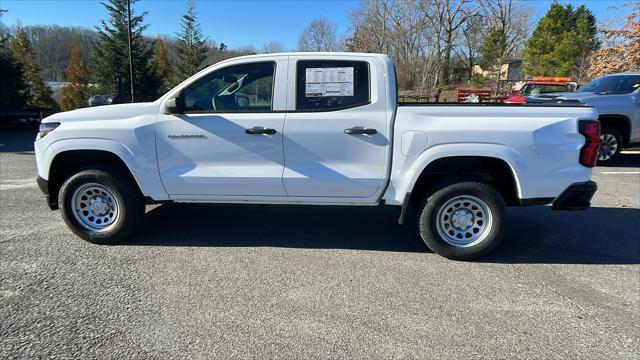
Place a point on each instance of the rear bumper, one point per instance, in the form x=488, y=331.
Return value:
x=576, y=197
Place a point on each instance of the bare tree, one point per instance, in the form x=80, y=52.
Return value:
x=621, y=51
x=469, y=45
x=426, y=38
x=319, y=35
x=513, y=18
x=449, y=16
x=371, y=28
x=273, y=47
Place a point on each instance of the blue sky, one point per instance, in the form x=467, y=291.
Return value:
x=236, y=23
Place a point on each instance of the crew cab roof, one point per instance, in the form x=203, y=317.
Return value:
x=310, y=54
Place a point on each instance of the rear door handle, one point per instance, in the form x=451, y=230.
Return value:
x=359, y=130
x=259, y=130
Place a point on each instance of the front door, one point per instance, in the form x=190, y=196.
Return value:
x=228, y=140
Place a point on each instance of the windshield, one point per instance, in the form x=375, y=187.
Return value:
x=613, y=84
x=537, y=89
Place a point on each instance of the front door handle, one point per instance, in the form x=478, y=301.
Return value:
x=359, y=130
x=259, y=130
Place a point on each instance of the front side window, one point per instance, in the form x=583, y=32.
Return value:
x=241, y=88
x=326, y=85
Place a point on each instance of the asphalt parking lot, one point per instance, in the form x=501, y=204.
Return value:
x=230, y=282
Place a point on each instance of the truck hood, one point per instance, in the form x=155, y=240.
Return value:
x=105, y=112
x=575, y=96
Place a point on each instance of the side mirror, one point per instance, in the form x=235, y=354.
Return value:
x=173, y=106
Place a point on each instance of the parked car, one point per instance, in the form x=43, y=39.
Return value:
x=24, y=116
x=617, y=99
x=316, y=129
x=541, y=85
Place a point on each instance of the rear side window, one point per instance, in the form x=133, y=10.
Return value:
x=326, y=85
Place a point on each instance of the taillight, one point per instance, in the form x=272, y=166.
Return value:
x=590, y=129
x=46, y=128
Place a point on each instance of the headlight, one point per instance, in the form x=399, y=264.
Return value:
x=46, y=128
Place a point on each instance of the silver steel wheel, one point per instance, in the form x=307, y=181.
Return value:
x=95, y=207
x=608, y=147
x=464, y=221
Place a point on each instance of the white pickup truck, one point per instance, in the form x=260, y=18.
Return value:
x=316, y=129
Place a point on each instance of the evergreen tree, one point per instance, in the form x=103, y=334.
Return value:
x=38, y=94
x=161, y=66
x=493, y=51
x=563, y=40
x=4, y=33
x=74, y=94
x=192, y=49
x=110, y=58
x=586, y=41
x=12, y=86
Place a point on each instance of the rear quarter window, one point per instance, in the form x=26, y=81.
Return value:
x=327, y=85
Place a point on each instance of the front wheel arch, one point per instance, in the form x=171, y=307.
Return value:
x=67, y=163
x=620, y=123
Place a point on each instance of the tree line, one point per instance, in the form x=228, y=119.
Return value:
x=97, y=61
x=434, y=43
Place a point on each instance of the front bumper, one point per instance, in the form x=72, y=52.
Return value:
x=576, y=197
x=44, y=186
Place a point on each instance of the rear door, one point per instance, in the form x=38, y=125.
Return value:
x=336, y=134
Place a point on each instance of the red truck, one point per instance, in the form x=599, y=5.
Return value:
x=542, y=85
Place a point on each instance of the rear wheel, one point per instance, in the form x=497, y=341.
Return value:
x=101, y=205
x=610, y=145
x=462, y=220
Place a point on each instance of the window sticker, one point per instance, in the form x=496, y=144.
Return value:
x=335, y=81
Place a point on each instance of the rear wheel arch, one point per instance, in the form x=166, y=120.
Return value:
x=65, y=164
x=492, y=170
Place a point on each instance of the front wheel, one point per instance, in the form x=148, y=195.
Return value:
x=462, y=220
x=610, y=145
x=101, y=205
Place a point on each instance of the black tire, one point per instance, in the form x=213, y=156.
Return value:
x=444, y=197
x=609, y=137
x=130, y=204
